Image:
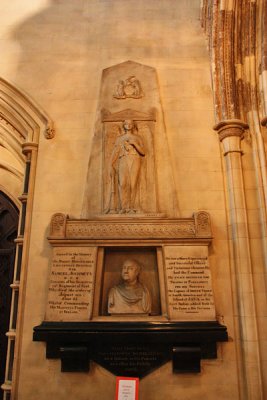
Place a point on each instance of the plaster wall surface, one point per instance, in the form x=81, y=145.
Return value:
x=55, y=51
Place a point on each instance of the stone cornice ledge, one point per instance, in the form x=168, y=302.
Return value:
x=109, y=229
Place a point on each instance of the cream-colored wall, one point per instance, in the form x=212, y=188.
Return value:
x=55, y=51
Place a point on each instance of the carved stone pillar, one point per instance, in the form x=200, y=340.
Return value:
x=263, y=65
x=231, y=132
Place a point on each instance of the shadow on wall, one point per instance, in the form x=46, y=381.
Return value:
x=65, y=46
x=58, y=53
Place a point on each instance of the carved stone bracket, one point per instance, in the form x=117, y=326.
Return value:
x=202, y=224
x=58, y=225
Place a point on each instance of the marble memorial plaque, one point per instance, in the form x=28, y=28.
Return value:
x=189, y=289
x=131, y=359
x=70, y=293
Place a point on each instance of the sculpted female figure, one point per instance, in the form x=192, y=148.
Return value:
x=131, y=296
x=125, y=164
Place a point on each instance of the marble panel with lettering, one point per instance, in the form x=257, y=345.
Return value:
x=131, y=359
x=71, y=285
x=188, y=283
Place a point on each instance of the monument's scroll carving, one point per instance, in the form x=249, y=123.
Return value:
x=202, y=221
x=58, y=225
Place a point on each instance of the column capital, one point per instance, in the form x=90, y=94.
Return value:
x=230, y=127
x=29, y=147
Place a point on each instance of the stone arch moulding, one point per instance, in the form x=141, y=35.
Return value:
x=23, y=114
x=21, y=123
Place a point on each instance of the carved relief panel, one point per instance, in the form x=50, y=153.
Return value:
x=129, y=177
x=130, y=88
x=130, y=157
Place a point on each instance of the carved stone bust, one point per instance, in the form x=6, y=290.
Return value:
x=130, y=296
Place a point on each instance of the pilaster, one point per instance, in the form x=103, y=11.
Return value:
x=231, y=133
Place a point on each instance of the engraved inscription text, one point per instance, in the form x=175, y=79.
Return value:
x=70, y=293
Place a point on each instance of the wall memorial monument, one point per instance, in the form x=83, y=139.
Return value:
x=130, y=286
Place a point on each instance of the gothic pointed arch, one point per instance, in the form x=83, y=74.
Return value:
x=22, y=114
x=22, y=122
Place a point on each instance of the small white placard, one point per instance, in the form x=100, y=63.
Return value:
x=127, y=388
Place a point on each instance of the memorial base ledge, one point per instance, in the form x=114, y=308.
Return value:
x=131, y=348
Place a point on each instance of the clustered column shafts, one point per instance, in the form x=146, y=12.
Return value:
x=26, y=121
x=30, y=151
x=234, y=34
x=231, y=133
x=259, y=138
x=263, y=62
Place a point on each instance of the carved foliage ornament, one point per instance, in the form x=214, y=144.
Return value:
x=130, y=230
x=198, y=226
x=49, y=132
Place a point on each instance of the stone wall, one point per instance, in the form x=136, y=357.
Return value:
x=55, y=52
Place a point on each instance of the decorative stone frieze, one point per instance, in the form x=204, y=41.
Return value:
x=131, y=228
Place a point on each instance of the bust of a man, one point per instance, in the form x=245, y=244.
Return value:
x=130, y=296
